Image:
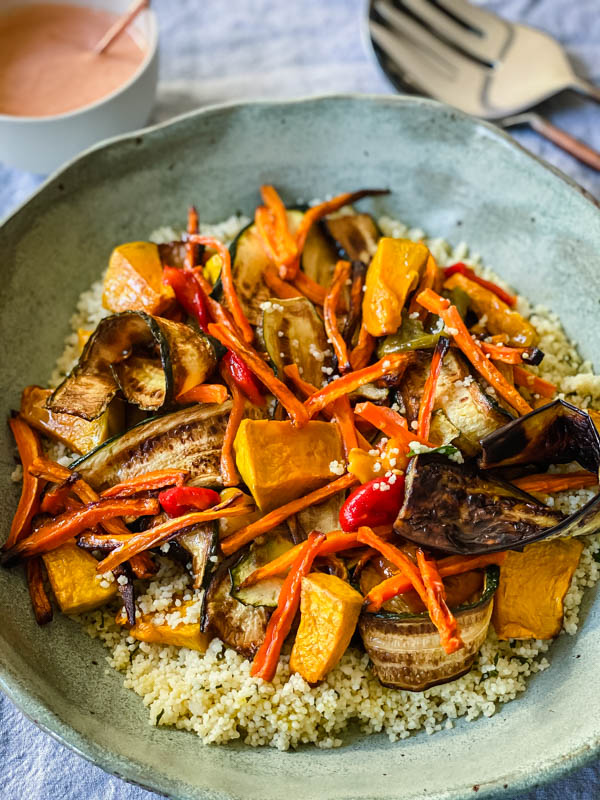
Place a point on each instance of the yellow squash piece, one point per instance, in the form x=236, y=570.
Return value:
x=499, y=316
x=229, y=525
x=367, y=466
x=329, y=610
x=186, y=634
x=76, y=433
x=529, y=601
x=393, y=273
x=133, y=280
x=74, y=580
x=279, y=462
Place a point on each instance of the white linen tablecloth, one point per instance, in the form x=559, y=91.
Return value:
x=216, y=51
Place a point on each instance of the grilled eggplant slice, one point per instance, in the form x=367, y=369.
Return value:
x=323, y=517
x=237, y=625
x=188, y=439
x=405, y=649
x=319, y=256
x=457, y=509
x=355, y=236
x=149, y=358
x=201, y=543
x=264, y=593
x=465, y=405
x=294, y=334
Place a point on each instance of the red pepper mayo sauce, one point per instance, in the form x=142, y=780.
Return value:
x=47, y=63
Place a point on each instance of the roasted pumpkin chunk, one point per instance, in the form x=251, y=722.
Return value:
x=533, y=585
x=78, y=434
x=148, y=629
x=329, y=610
x=133, y=280
x=74, y=580
x=279, y=462
x=393, y=273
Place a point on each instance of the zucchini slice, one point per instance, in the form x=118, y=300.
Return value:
x=188, y=439
x=149, y=358
x=324, y=517
x=294, y=334
x=319, y=256
x=201, y=543
x=248, y=263
x=237, y=625
x=355, y=236
x=264, y=593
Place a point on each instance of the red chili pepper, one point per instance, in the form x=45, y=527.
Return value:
x=244, y=379
x=185, y=499
x=188, y=294
x=509, y=299
x=375, y=503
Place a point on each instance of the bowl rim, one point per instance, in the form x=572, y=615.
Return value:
x=152, y=48
x=25, y=698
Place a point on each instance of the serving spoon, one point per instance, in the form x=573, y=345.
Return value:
x=472, y=59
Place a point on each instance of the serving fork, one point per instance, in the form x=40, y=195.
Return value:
x=472, y=59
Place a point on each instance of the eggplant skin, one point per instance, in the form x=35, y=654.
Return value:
x=455, y=508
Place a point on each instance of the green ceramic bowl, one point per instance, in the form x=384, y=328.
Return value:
x=451, y=175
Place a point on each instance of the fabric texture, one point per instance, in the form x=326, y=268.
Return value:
x=214, y=52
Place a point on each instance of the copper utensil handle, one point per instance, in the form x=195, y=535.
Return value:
x=587, y=89
x=575, y=147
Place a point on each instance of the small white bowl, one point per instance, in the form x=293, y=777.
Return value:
x=41, y=144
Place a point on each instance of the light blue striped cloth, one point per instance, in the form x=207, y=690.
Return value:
x=214, y=51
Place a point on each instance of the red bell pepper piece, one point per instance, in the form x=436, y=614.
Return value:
x=188, y=294
x=185, y=499
x=244, y=378
x=375, y=503
x=509, y=299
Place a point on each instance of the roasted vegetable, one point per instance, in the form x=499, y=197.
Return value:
x=454, y=508
x=294, y=334
x=376, y=502
x=265, y=593
x=499, y=316
x=201, y=543
x=186, y=634
x=393, y=273
x=329, y=611
x=470, y=411
x=319, y=257
x=324, y=517
x=133, y=281
x=239, y=626
x=355, y=236
x=189, y=439
x=533, y=585
x=76, y=433
x=411, y=335
x=279, y=462
x=405, y=649
x=151, y=359
x=74, y=580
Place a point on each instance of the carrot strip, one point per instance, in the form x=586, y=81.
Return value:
x=143, y=565
x=389, y=422
x=147, y=482
x=283, y=244
x=499, y=352
x=469, y=273
x=55, y=499
x=365, y=347
x=345, y=422
x=254, y=362
x=42, y=608
x=317, y=212
x=204, y=393
x=429, y=278
x=309, y=288
x=306, y=389
x=265, y=661
x=29, y=447
x=282, y=289
x=191, y=249
x=429, y=594
x=441, y=616
x=399, y=584
x=532, y=382
x=429, y=390
x=51, y=471
x=393, y=363
x=335, y=542
x=72, y=523
x=457, y=329
x=229, y=473
x=161, y=533
x=273, y=518
x=557, y=482
x=228, y=285
x=89, y=540
x=341, y=274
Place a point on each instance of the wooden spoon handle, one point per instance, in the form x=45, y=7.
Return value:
x=588, y=89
